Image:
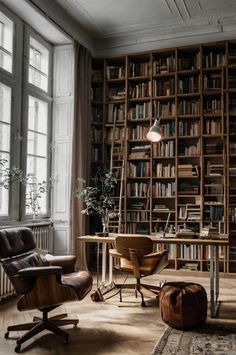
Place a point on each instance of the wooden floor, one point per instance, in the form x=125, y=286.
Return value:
x=109, y=327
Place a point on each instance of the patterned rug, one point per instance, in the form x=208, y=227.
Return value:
x=207, y=340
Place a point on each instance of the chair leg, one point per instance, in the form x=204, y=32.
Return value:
x=60, y=322
x=138, y=288
x=51, y=324
x=58, y=316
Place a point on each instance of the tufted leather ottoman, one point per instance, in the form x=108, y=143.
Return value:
x=183, y=305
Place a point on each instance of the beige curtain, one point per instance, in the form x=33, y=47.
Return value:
x=81, y=143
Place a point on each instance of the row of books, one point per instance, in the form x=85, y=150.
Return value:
x=140, y=111
x=191, y=128
x=115, y=72
x=164, y=87
x=115, y=112
x=139, y=68
x=140, y=90
x=164, y=170
x=138, y=169
x=161, y=189
x=138, y=132
x=165, y=64
x=189, y=84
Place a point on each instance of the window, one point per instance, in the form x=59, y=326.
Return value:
x=6, y=42
x=25, y=113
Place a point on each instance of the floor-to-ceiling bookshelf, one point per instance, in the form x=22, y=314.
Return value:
x=190, y=176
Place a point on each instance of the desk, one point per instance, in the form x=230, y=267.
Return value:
x=214, y=260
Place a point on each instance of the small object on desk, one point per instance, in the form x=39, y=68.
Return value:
x=102, y=234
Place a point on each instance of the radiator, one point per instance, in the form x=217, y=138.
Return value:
x=44, y=240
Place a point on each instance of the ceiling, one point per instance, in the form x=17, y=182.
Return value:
x=127, y=26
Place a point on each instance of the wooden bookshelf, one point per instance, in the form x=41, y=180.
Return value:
x=190, y=176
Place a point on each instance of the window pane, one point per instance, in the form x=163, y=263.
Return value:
x=4, y=137
x=37, y=144
x=4, y=193
x=38, y=112
x=5, y=103
x=5, y=131
x=36, y=172
x=37, y=153
x=38, y=64
x=6, y=42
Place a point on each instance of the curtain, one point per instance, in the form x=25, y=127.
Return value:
x=81, y=144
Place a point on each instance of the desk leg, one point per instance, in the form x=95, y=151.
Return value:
x=98, y=257
x=82, y=265
x=104, y=259
x=214, y=278
x=110, y=268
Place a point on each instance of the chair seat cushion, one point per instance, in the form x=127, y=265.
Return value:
x=183, y=304
x=80, y=281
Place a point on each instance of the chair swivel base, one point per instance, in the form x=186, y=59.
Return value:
x=38, y=325
x=143, y=289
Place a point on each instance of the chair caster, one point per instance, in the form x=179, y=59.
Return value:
x=66, y=339
x=17, y=348
x=6, y=335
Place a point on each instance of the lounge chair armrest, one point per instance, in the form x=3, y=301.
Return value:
x=40, y=271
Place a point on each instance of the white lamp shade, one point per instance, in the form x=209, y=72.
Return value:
x=154, y=133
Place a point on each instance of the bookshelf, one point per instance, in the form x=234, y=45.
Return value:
x=190, y=175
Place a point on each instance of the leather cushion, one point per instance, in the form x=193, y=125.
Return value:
x=183, y=305
x=80, y=281
x=67, y=262
x=13, y=265
x=15, y=241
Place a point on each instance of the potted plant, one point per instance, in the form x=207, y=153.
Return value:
x=35, y=191
x=98, y=197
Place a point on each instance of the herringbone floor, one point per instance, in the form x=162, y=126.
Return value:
x=109, y=327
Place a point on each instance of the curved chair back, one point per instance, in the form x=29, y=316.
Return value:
x=17, y=252
x=16, y=241
x=141, y=245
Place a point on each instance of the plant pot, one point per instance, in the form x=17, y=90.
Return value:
x=102, y=234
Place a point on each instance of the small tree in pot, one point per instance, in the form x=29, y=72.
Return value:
x=98, y=197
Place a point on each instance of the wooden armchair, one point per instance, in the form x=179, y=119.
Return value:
x=136, y=255
x=40, y=283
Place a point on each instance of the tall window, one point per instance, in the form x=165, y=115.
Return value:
x=25, y=113
x=38, y=119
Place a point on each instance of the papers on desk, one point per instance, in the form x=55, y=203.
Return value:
x=165, y=235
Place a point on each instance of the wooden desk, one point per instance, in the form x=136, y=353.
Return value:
x=212, y=243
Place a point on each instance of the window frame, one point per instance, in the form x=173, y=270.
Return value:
x=31, y=90
x=20, y=89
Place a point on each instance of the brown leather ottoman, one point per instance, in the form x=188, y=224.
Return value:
x=183, y=305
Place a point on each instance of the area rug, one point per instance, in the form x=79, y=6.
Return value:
x=202, y=341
